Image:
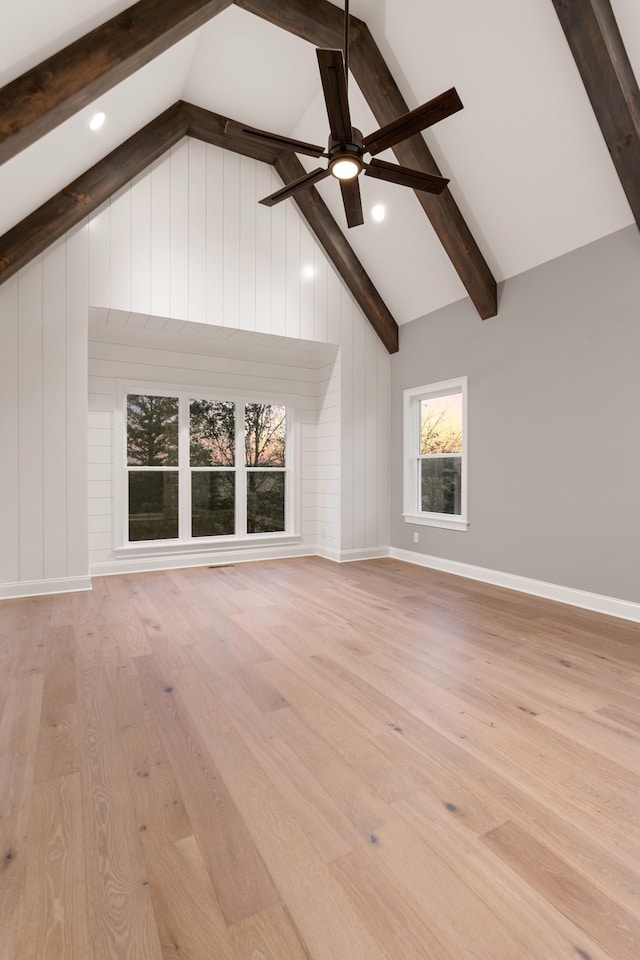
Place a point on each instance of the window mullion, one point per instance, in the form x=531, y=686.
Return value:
x=241, y=472
x=290, y=451
x=184, y=480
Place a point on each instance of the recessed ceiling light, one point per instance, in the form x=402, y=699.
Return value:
x=378, y=212
x=308, y=271
x=97, y=120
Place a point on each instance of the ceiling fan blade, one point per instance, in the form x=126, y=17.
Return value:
x=334, y=85
x=352, y=202
x=419, y=119
x=290, y=188
x=405, y=177
x=274, y=139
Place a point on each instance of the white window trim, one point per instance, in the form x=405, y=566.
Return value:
x=181, y=546
x=411, y=419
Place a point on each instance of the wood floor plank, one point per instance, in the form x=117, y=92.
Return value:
x=520, y=749
x=439, y=769
x=270, y=935
x=591, y=794
x=32, y=651
x=240, y=878
x=60, y=672
x=57, y=749
x=159, y=810
x=230, y=662
x=12, y=621
x=477, y=799
x=53, y=914
x=388, y=909
x=163, y=632
x=331, y=832
x=124, y=613
x=624, y=719
x=343, y=730
x=406, y=855
x=157, y=801
x=620, y=744
x=187, y=910
x=538, y=680
x=539, y=922
x=326, y=921
x=309, y=761
x=18, y=735
x=18, y=740
x=572, y=893
x=119, y=912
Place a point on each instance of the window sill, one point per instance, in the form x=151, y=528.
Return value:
x=445, y=523
x=181, y=548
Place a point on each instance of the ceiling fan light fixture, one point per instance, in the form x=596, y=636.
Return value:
x=347, y=147
x=345, y=168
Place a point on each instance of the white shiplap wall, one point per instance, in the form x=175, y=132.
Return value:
x=43, y=422
x=324, y=486
x=188, y=241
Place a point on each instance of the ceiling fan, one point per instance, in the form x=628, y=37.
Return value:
x=346, y=147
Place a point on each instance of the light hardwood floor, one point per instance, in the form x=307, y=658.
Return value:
x=295, y=760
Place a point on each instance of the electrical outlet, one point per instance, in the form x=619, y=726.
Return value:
x=416, y=538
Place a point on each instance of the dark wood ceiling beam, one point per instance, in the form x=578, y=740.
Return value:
x=321, y=23
x=50, y=93
x=318, y=21
x=335, y=245
x=210, y=128
x=387, y=103
x=70, y=206
x=602, y=61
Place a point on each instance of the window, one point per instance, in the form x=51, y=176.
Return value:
x=435, y=459
x=199, y=468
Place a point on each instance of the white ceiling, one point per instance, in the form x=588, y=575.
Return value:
x=527, y=161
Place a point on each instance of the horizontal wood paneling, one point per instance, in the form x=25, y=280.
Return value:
x=110, y=362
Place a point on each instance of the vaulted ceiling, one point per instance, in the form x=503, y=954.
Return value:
x=530, y=171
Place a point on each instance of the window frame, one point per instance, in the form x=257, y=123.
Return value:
x=412, y=398
x=185, y=542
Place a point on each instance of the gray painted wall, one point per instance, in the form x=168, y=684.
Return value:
x=554, y=421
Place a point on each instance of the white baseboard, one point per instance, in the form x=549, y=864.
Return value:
x=349, y=556
x=39, y=588
x=35, y=588
x=213, y=558
x=611, y=606
x=328, y=553
x=368, y=553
